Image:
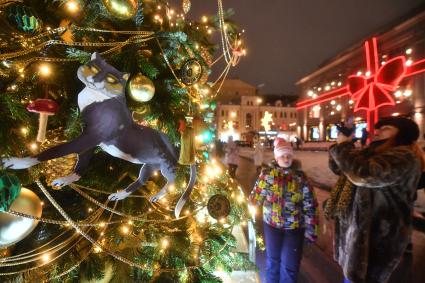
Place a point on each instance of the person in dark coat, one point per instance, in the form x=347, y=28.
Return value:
x=373, y=208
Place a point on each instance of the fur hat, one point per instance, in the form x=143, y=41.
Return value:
x=408, y=130
x=281, y=147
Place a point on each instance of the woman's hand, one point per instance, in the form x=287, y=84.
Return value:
x=343, y=138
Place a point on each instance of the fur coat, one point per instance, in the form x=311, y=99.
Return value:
x=371, y=236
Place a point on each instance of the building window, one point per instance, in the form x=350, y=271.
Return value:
x=248, y=120
x=275, y=115
x=237, y=93
x=295, y=115
x=290, y=114
x=281, y=114
x=315, y=112
x=261, y=114
x=227, y=113
x=284, y=114
x=222, y=112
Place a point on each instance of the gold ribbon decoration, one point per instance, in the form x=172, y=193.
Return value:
x=187, y=142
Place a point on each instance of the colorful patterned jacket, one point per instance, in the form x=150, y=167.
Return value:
x=287, y=199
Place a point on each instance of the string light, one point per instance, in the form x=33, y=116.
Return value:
x=24, y=131
x=44, y=70
x=72, y=6
x=45, y=257
x=97, y=249
x=125, y=229
x=204, y=19
x=164, y=243
x=33, y=146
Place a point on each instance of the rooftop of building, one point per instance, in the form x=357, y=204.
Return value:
x=402, y=23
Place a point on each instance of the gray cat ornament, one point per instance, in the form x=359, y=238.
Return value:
x=107, y=123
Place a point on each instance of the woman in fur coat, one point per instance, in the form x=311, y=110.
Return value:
x=373, y=202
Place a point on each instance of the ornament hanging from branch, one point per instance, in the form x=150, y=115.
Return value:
x=218, y=206
x=141, y=88
x=191, y=72
x=15, y=228
x=23, y=18
x=9, y=190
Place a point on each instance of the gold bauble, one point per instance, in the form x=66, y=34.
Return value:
x=121, y=9
x=14, y=228
x=141, y=88
x=59, y=167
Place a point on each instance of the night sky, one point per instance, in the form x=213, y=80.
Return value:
x=287, y=39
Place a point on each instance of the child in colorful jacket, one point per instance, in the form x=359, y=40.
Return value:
x=289, y=213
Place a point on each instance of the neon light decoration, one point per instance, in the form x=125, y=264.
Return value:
x=374, y=90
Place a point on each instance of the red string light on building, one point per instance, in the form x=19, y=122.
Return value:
x=374, y=89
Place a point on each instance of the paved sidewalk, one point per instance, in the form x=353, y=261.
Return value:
x=317, y=265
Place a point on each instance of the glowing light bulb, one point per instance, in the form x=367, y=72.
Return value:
x=333, y=102
x=409, y=51
x=72, y=6
x=164, y=243
x=97, y=249
x=398, y=93
x=367, y=73
x=125, y=229
x=409, y=62
x=44, y=70
x=204, y=19
x=45, y=257
x=338, y=107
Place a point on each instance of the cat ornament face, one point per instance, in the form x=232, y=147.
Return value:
x=102, y=78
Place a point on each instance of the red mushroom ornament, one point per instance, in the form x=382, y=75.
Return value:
x=45, y=107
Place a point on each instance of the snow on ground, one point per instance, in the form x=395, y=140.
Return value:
x=315, y=165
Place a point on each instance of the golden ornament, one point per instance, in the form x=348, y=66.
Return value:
x=15, y=228
x=186, y=6
x=121, y=9
x=58, y=167
x=141, y=88
x=191, y=72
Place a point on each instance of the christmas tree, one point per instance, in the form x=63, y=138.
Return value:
x=51, y=232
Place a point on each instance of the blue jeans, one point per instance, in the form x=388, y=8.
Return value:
x=283, y=254
x=346, y=280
